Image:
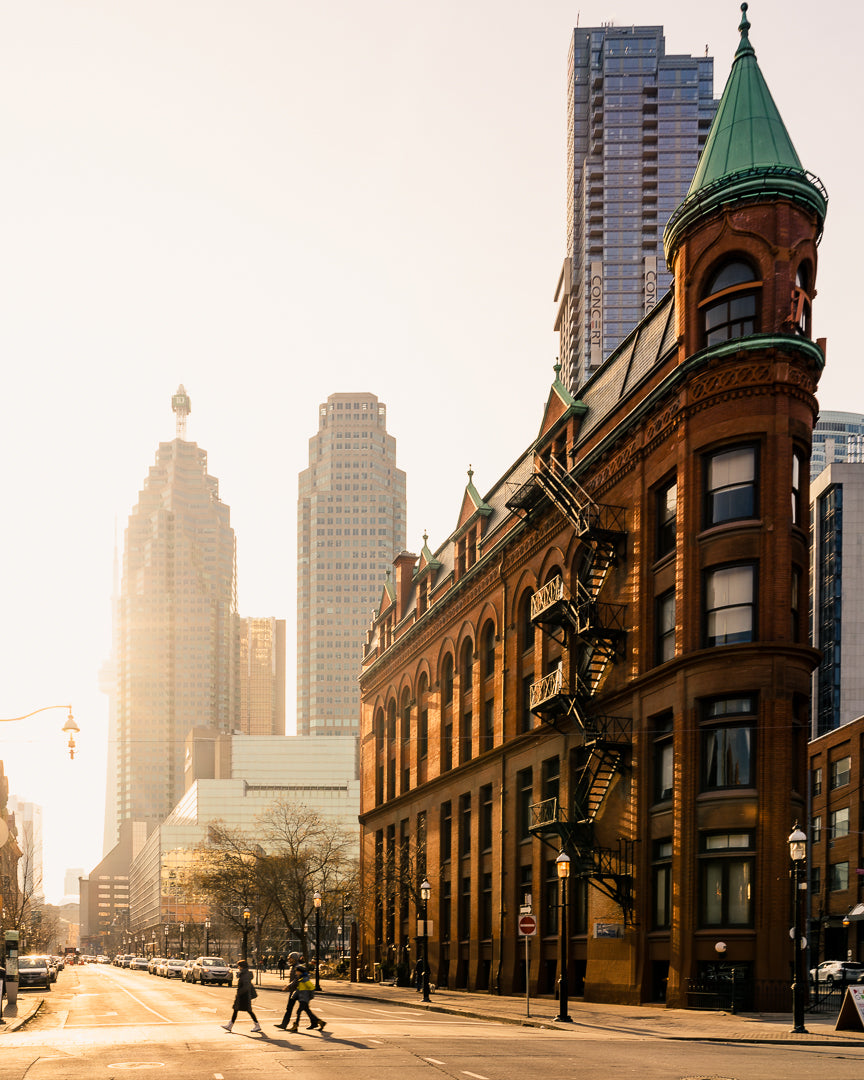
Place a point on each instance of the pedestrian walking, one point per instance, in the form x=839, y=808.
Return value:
x=2, y=990
x=281, y=967
x=305, y=993
x=243, y=998
x=294, y=959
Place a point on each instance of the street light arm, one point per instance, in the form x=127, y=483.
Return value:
x=70, y=726
x=45, y=708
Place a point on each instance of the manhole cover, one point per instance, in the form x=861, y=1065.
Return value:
x=137, y=1065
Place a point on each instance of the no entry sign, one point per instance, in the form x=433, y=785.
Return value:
x=527, y=925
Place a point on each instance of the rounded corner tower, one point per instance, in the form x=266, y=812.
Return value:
x=742, y=246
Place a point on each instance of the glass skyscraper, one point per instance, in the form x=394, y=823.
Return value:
x=637, y=120
x=837, y=437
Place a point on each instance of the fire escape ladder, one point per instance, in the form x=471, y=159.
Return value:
x=566, y=493
x=608, y=870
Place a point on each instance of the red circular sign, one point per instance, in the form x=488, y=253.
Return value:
x=527, y=925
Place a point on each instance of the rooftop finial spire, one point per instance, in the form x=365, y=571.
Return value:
x=744, y=45
x=182, y=406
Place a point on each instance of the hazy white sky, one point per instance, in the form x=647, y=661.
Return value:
x=271, y=201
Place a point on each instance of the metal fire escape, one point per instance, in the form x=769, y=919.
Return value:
x=593, y=632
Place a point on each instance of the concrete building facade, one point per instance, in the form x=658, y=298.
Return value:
x=261, y=676
x=608, y=658
x=351, y=520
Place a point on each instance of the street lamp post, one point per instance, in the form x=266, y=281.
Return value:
x=316, y=899
x=797, y=853
x=182, y=931
x=562, y=865
x=70, y=726
x=167, y=932
x=425, y=894
x=206, y=937
x=247, y=915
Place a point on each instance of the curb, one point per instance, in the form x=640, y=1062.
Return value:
x=18, y=1022
x=551, y=1025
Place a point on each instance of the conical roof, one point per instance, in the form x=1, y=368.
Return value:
x=748, y=153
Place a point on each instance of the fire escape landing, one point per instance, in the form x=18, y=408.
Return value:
x=593, y=633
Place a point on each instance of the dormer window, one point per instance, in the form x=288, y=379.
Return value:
x=730, y=305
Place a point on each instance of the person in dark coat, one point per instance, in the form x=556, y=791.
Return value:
x=290, y=987
x=243, y=998
x=2, y=990
x=281, y=967
x=305, y=993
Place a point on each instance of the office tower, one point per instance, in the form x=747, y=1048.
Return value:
x=70, y=880
x=28, y=822
x=837, y=436
x=837, y=584
x=176, y=658
x=350, y=524
x=637, y=120
x=261, y=676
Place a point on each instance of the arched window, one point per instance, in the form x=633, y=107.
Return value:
x=488, y=652
x=801, y=294
x=466, y=665
x=447, y=680
x=526, y=627
x=730, y=304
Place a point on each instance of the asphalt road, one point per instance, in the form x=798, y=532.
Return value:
x=103, y=1022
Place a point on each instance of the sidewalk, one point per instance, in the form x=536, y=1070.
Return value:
x=650, y=1020
x=16, y=1016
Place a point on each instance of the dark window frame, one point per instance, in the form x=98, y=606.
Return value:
x=736, y=499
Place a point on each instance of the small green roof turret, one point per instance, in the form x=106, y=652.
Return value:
x=748, y=154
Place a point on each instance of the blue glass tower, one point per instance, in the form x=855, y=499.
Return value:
x=637, y=120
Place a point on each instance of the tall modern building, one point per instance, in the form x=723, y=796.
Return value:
x=261, y=676
x=350, y=525
x=637, y=120
x=837, y=592
x=837, y=437
x=28, y=822
x=176, y=644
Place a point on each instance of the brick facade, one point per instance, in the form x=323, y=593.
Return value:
x=624, y=616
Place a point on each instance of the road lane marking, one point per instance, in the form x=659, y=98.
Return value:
x=433, y=1061
x=140, y=1002
x=476, y=1076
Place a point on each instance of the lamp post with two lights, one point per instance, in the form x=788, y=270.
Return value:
x=798, y=853
x=562, y=865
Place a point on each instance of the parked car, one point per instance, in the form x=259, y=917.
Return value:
x=210, y=969
x=139, y=963
x=837, y=971
x=34, y=971
x=172, y=969
x=153, y=963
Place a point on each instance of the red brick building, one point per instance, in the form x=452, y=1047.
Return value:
x=609, y=657
x=836, y=886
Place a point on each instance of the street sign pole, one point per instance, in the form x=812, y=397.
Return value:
x=527, y=926
x=527, y=981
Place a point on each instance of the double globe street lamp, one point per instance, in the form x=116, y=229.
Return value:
x=247, y=915
x=797, y=854
x=70, y=726
x=562, y=865
x=425, y=896
x=316, y=900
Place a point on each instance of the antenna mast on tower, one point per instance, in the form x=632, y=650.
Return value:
x=182, y=406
